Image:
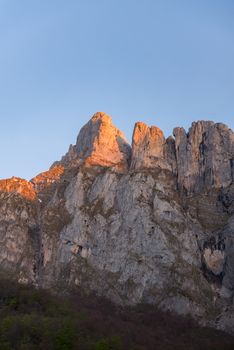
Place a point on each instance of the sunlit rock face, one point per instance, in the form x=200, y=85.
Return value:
x=47, y=178
x=18, y=185
x=100, y=143
x=149, y=224
x=204, y=156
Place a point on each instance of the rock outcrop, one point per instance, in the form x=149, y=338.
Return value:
x=149, y=224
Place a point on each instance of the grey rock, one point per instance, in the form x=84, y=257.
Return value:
x=204, y=156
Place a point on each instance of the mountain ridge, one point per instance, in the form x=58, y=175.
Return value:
x=149, y=223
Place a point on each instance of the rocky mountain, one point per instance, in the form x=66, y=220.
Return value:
x=152, y=222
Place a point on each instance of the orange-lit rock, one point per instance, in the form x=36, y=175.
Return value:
x=100, y=143
x=46, y=178
x=18, y=185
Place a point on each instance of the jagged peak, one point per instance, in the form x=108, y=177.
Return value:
x=200, y=158
x=202, y=126
x=100, y=143
x=202, y=123
x=102, y=116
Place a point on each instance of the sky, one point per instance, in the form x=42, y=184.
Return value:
x=164, y=62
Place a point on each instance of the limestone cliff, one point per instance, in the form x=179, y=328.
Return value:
x=148, y=223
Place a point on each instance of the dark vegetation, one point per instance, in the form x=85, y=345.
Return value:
x=32, y=319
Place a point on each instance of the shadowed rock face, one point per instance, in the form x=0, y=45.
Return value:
x=204, y=156
x=149, y=148
x=201, y=158
x=152, y=223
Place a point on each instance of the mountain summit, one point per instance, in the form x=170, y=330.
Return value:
x=100, y=143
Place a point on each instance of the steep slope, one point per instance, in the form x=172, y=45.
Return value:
x=152, y=223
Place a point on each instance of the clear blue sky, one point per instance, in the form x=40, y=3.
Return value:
x=164, y=62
